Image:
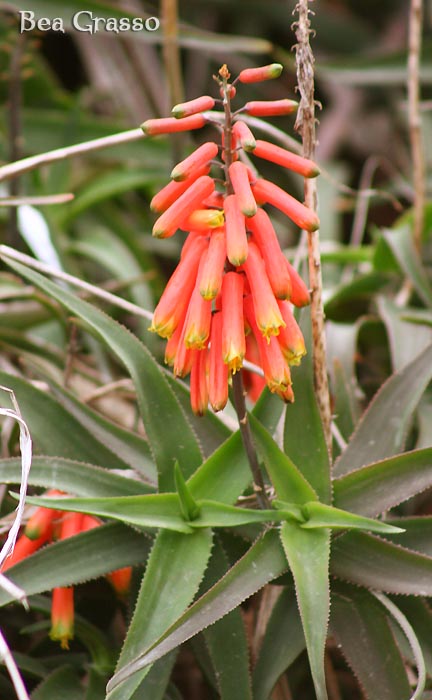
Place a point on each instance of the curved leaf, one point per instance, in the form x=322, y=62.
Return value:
x=383, y=485
x=383, y=427
x=262, y=563
x=375, y=563
x=159, y=407
x=98, y=552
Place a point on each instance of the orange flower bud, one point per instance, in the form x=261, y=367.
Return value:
x=289, y=160
x=198, y=383
x=199, y=158
x=184, y=357
x=240, y=181
x=215, y=200
x=233, y=333
x=236, y=239
x=231, y=91
x=290, y=338
x=201, y=220
x=186, y=109
x=267, y=315
x=168, y=223
x=257, y=75
x=254, y=383
x=71, y=525
x=120, y=580
x=211, y=272
x=244, y=135
x=172, y=191
x=272, y=108
x=267, y=192
x=62, y=616
x=276, y=370
x=218, y=370
x=170, y=125
x=266, y=239
x=177, y=293
x=89, y=523
x=299, y=292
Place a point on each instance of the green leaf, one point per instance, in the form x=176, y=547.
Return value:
x=383, y=485
x=360, y=624
x=289, y=483
x=262, y=563
x=154, y=685
x=376, y=563
x=351, y=300
x=321, y=515
x=62, y=683
x=131, y=448
x=308, y=554
x=174, y=572
x=417, y=535
x=71, y=477
x=419, y=615
x=268, y=410
x=406, y=341
x=226, y=641
x=188, y=506
x=98, y=552
x=283, y=642
x=158, y=510
x=304, y=439
x=383, y=428
x=158, y=405
x=54, y=430
x=401, y=242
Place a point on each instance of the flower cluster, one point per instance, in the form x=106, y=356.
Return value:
x=47, y=525
x=230, y=297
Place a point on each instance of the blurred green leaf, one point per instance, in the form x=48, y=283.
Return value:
x=383, y=485
x=417, y=535
x=308, y=554
x=360, y=625
x=283, y=642
x=63, y=683
x=401, y=243
x=382, y=430
x=406, y=341
x=372, y=562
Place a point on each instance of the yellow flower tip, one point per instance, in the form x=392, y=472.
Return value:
x=295, y=358
x=177, y=176
x=275, y=70
x=237, y=261
x=249, y=211
x=165, y=330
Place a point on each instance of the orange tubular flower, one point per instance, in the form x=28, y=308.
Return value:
x=267, y=315
x=218, y=370
x=172, y=191
x=233, y=333
x=199, y=158
x=266, y=239
x=198, y=321
x=236, y=239
x=41, y=522
x=168, y=223
x=244, y=135
x=290, y=338
x=198, y=383
x=257, y=75
x=273, y=108
x=268, y=192
x=186, y=109
x=289, y=160
x=201, y=220
x=24, y=547
x=254, y=383
x=238, y=173
x=120, y=580
x=175, y=299
x=170, y=125
x=299, y=292
x=276, y=370
x=62, y=616
x=211, y=272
